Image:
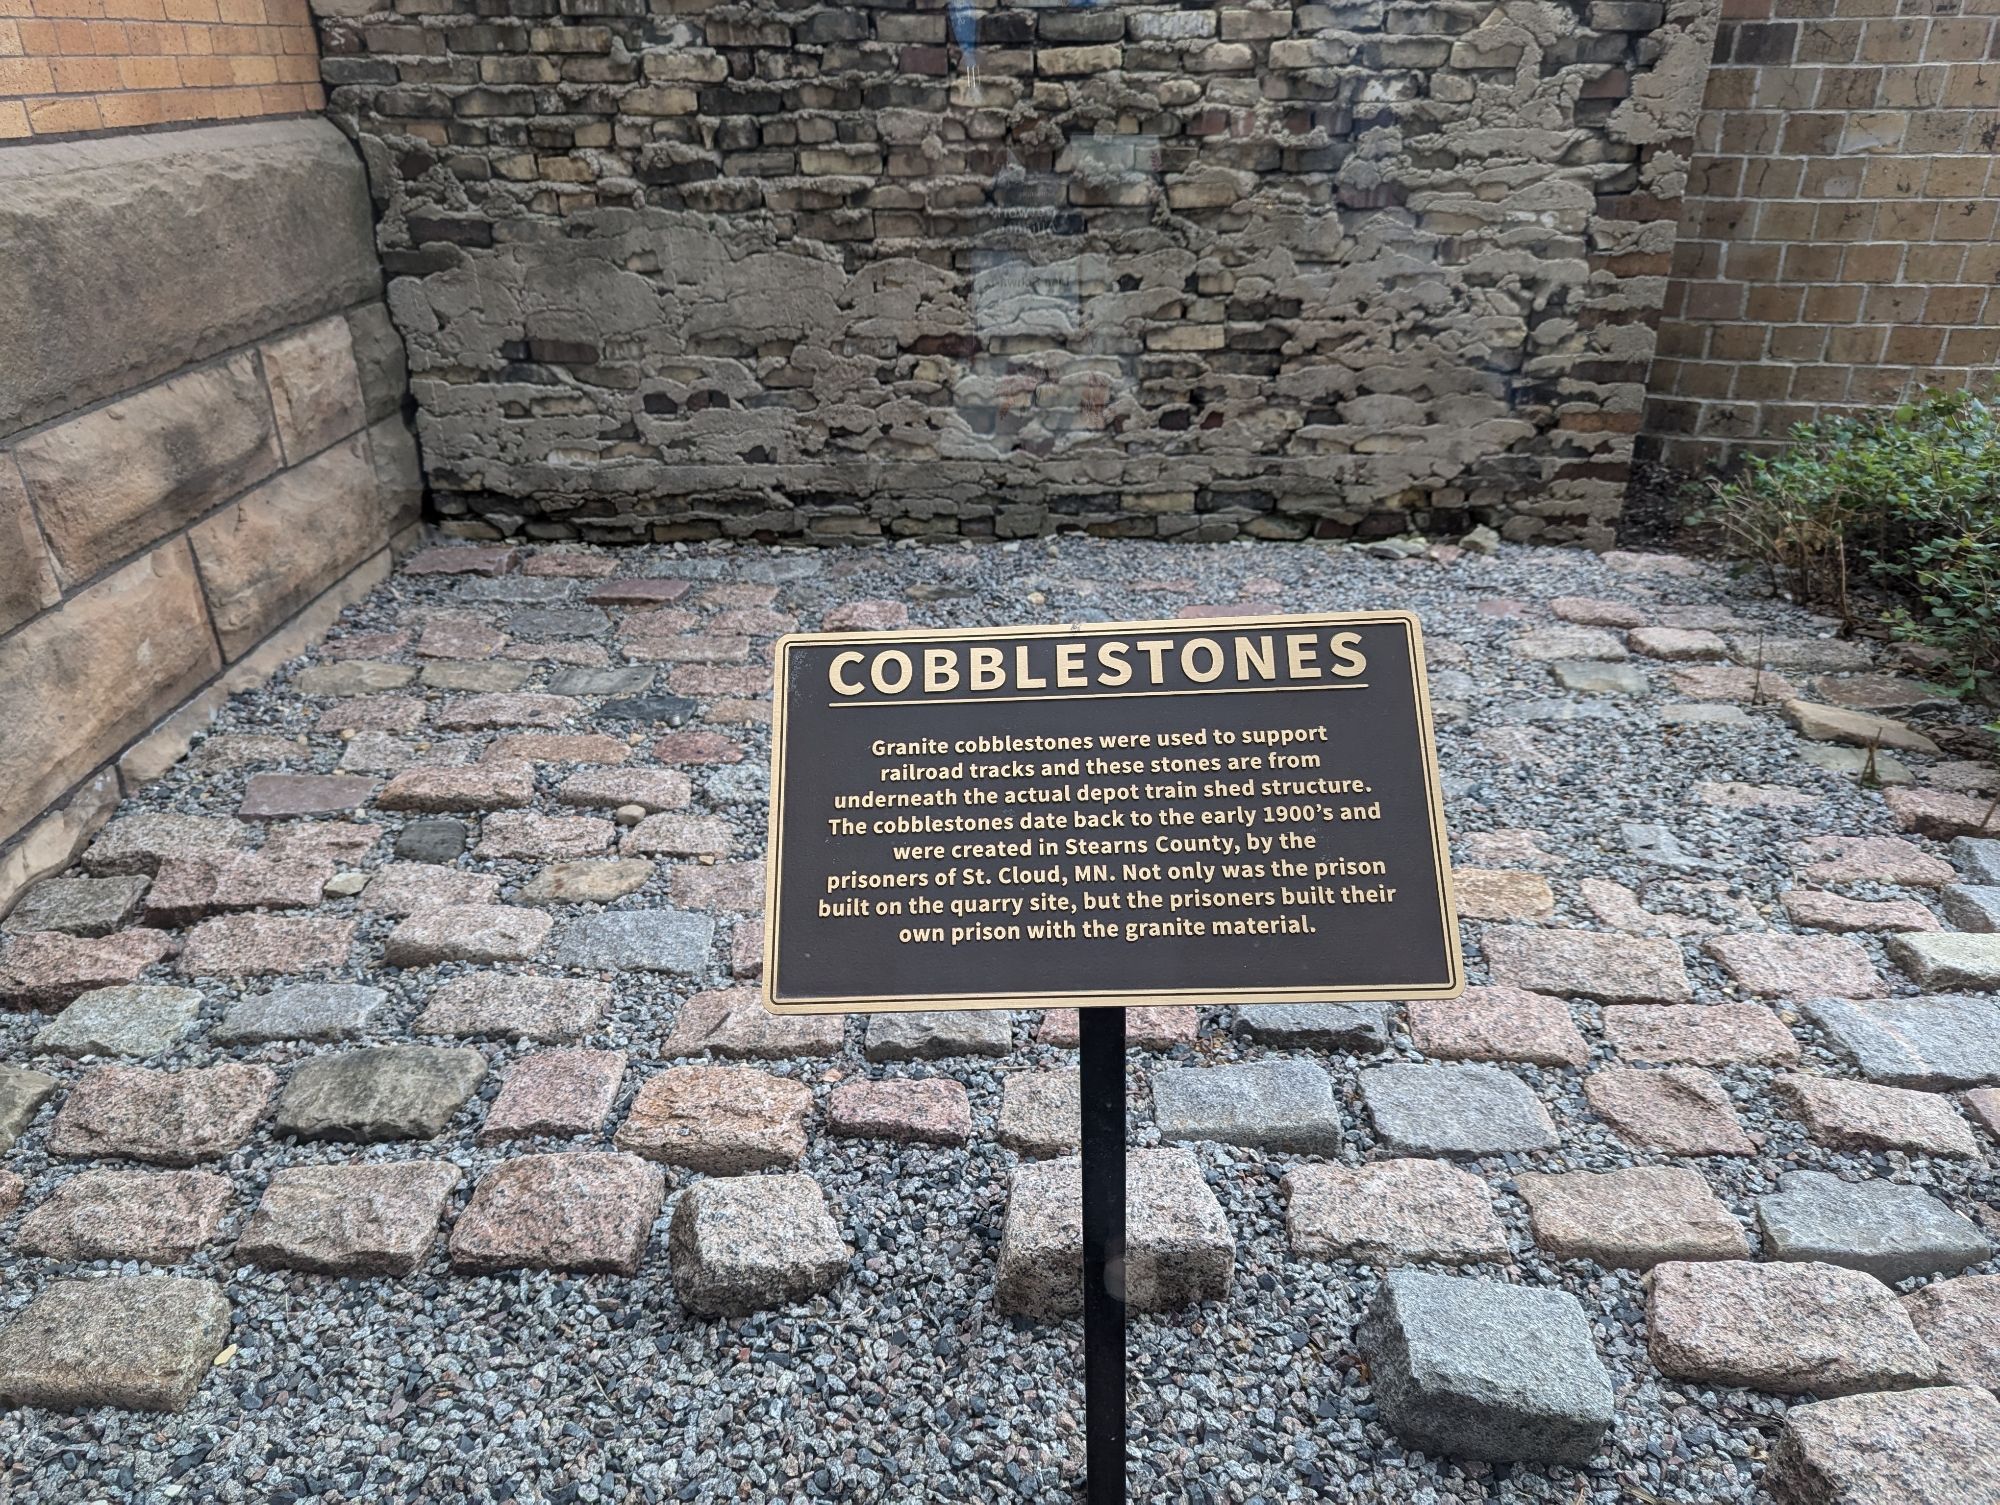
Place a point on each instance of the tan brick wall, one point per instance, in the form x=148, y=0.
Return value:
x=1837, y=244
x=69, y=66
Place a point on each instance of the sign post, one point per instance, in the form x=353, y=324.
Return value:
x=1101, y=1067
x=1099, y=815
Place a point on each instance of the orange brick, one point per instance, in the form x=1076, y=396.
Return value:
x=234, y=104
x=314, y=96
x=299, y=13
x=85, y=75
x=1966, y=219
x=297, y=41
x=185, y=104
x=155, y=38
x=149, y=73
x=38, y=38
x=51, y=117
x=124, y=111
x=70, y=9
x=204, y=72
x=298, y=70
x=25, y=76
x=134, y=10
x=189, y=10
x=10, y=42
x=107, y=38
x=13, y=120
x=16, y=8
x=242, y=12
x=198, y=41
x=253, y=70
x=73, y=39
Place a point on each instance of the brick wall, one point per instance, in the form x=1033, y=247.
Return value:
x=1284, y=268
x=70, y=66
x=203, y=451
x=1837, y=245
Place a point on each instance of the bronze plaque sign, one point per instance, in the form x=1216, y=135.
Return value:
x=1238, y=810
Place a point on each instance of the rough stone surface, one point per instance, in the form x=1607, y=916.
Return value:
x=1392, y=1212
x=1700, y=1034
x=1789, y=1328
x=513, y=1008
x=1869, y=859
x=79, y=906
x=1178, y=1248
x=1477, y=1369
x=250, y=945
x=587, y=881
x=349, y=1219
x=558, y=1093
x=1863, y=1115
x=751, y=1243
x=1454, y=1110
x=45, y=968
x=141, y=1342
x=1947, y=960
x=1794, y=966
x=1498, y=1024
x=1041, y=1113
x=1824, y=911
x=733, y=1022
x=1315, y=1026
x=140, y=1020
x=934, y=1036
x=645, y=940
x=1612, y=969
x=933, y=1110
x=159, y=1217
x=283, y=796
x=1827, y=723
x=587, y=1211
x=1892, y=1232
x=403, y=888
x=1485, y=893
x=22, y=1092
x=1934, y=1043
x=315, y=1011
x=1937, y=1446
x=1974, y=906
x=1297, y=450
x=466, y=933
x=1275, y=1105
x=722, y=1120
x=167, y=1117
x=1680, y=1109
x=383, y=1092
x=1960, y=1321
x=1631, y=1219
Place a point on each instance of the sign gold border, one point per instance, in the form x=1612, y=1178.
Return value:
x=774, y=848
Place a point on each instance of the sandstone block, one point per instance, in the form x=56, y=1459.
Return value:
x=112, y=481
x=77, y=684
x=315, y=387
x=273, y=551
x=258, y=229
x=27, y=573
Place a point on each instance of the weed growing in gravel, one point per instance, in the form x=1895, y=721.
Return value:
x=1907, y=499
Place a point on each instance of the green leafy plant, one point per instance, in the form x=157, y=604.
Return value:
x=1907, y=499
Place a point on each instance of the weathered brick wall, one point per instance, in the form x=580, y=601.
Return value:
x=69, y=66
x=203, y=451
x=914, y=267
x=1837, y=245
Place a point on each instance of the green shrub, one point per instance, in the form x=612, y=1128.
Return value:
x=1907, y=498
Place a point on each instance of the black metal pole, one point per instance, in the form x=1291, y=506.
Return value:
x=1101, y=1065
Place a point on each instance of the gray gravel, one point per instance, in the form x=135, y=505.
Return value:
x=903, y=1384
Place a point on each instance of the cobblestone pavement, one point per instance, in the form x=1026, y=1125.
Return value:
x=386, y=1111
